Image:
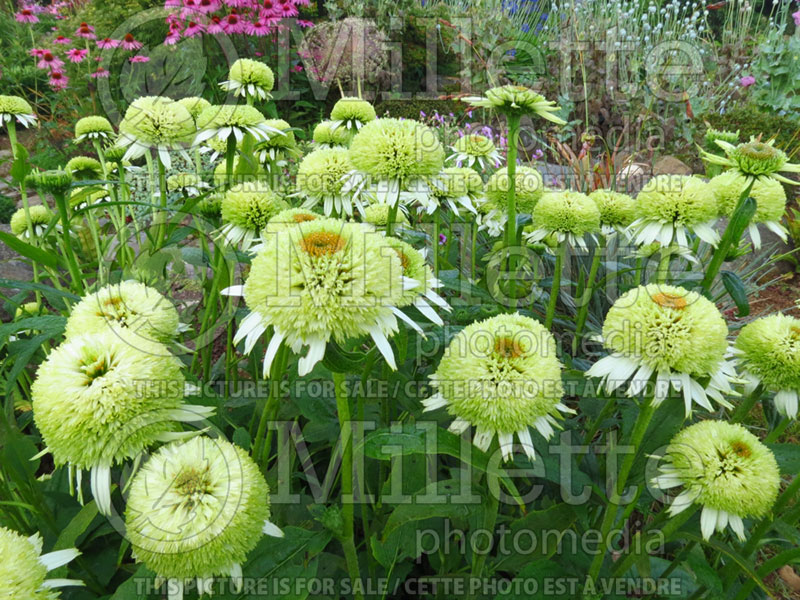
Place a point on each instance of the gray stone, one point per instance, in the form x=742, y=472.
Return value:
x=669, y=165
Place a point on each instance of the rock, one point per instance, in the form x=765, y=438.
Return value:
x=11, y=264
x=5, y=163
x=631, y=178
x=790, y=577
x=669, y=165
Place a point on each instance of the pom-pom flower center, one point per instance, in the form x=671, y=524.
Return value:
x=322, y=243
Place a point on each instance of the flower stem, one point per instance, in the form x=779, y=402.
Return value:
x=511, y=198
x=639, y=429
x=586, y=298
x=72, y=264
x=778, y=431
x=662, y=272
x=746, y=405
x=343, y=410
x=556, y=285
x=275, y=376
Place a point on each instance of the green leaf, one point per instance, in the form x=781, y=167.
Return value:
x=36, y=254
x=22, y=351
x=538, y=525
x=338, y=360
x=788, y=457
x=704, y=573
x=735, y=288
x=384, y=444
x=53, y=295
x=47, y=324
x=21, y=167
x=419, y=511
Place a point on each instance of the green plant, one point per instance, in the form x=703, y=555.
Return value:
x=752, y=121
x=7, y=208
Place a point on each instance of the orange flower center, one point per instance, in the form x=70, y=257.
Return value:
x=669, y=300
x=322, y=243
x=507, y=348
x=741, y=449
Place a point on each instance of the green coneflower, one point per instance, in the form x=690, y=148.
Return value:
x=378, y=214
x=320, y=178
x=23, y=567
x=569, y=216
x=420, y=285
x=229, y=120
x=725, y=469
x=195, y=511
x=84, y=167
x=275, y=148
x=195, y=105
x=155, y=122
x=130, y=307
x=502, y=376
x=40, y=216
x=475, y=148
x=713, y=135
x=617, y=210
x=217, y=148
x=211, y=206
x=246, y=208
x=352, y=113
x=326, y=134
x=770, y=200
x=249, y=79
x=529, y=190
x=670, y=206
x=517, y=100
x=755, y=159
x=88, y=196
x=395, y=156
x=189, y=183
x=454, y=186
x=677, y=336
x=318, y=280
x=94, y=128
x=55, y=181
x=99, y=400
x=18, y=109
x=769, y=354
x=290, y=217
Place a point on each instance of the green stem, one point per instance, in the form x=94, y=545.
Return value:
x=511, y=216
x=343, y=410
x=583, y=310
x=275, y=376
x=436, y=227
x=778, y=431
x=746, y=405
x=555, y=287
x=639, y=429
x=72, y=264
x=489, y=521
x=392, y=217
x=740, y=217
x=662, y=273
x=230, y=152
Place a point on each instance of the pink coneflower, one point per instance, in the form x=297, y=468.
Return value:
x=796, y=17
x=62, y=40
x=237, y=3
x=297, y=68
x=100, y=73
x=129, y=43
x=258, y=29
x=76, y=56
x=207, y=6
x=139, y=59
x=193, y=29
x=215, y=26
x=58, y=81
x=107, y=43
x=26, y=16
x=172, y=38
x=233, y=24
x=305, y=24
x=747, y=81
x=49, y=61
x=37, y=52
x=34, y=8
x=85, y=31
x=288, y=9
